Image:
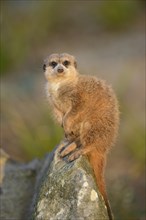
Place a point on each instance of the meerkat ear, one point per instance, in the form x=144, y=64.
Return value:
x=75, y=64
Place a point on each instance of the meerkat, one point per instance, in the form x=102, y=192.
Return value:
x=87, y=109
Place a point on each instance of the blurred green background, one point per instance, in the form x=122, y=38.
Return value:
x=108, y=39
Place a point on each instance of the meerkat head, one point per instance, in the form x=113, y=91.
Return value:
x=59, y=67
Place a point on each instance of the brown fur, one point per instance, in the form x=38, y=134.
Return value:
x=87, y=109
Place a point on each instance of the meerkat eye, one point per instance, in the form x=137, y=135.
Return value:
x=53, y=64
x=66, y=63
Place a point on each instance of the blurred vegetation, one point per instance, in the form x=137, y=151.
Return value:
x=27, y=25
x=20, y=36
x=30, y=139
x=115, y=15
x=134, y=139
x=129, y=205
x=133, y=135
x=27, y=126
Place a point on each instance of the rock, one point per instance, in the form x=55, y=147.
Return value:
x=17, y=187
x=67, y=191
x=60, y=190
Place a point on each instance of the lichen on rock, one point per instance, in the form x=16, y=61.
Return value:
x=67, y=190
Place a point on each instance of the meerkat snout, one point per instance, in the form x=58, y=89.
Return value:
x=60, y=69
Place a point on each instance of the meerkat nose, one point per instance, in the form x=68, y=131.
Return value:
x=60, y=70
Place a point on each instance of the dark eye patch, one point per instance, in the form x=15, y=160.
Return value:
x=53, y=64
x=66, y=63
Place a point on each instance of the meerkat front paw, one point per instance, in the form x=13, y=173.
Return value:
x=68, y=149
x=75, y=155
x=62, y=145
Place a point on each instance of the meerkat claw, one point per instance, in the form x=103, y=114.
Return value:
x=68, y=149
x=74, y=156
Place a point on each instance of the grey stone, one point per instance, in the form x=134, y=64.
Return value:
x=17, y=188
x=67, y=191
x=50, y=189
